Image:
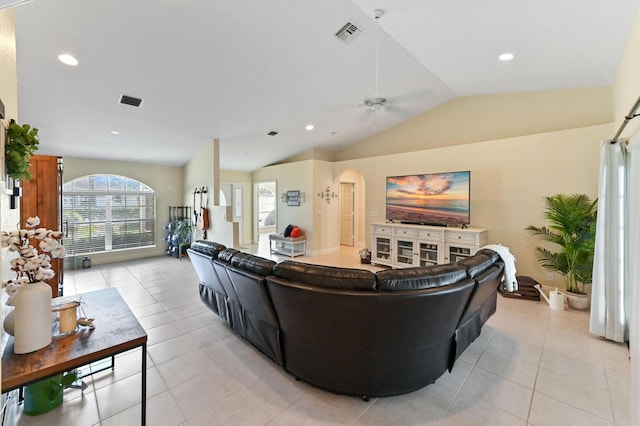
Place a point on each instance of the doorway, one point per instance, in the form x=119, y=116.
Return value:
x=347, y=214
x=266, y=208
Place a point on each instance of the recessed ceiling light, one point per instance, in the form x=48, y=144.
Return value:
x=309, y=127
x=115, y=132
x=506, y=57
x=68, y=59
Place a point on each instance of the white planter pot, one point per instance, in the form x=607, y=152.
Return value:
x=32, y=318
x=578, y=301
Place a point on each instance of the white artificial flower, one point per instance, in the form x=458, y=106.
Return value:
x=32, y=222
x=44, y=274
x=28, y=252
x=41, y=233
x=48, y=244
x=12, y=289
x=14, y=243
x=55, y=234
x=32, y=263
x=59, y=252
x=4, y=239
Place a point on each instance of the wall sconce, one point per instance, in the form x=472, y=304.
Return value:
x=327, y=194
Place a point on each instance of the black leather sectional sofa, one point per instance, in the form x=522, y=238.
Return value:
x=351, y=331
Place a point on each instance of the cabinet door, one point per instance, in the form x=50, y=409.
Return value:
x=429, y=253
x=456, y=252
x=404, y=252
x=381, y=249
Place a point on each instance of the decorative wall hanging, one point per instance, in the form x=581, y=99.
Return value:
x=327, y=194
x=292, y=198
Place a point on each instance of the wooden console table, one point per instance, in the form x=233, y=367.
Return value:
x=116, y=330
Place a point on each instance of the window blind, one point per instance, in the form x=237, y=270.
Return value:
x=107, y=212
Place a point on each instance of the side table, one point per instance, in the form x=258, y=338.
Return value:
x=116, y=330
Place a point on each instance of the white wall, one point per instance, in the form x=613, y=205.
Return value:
x=509, y=178
x=199, y=172
x=296, y=176
x=166, y=181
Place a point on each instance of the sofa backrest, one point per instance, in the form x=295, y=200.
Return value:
x=366, y=341
x=486, y=285
x=247, y=274
x=478, y=263
x=207, y=248
x=420, y=277
x=255, y=264
x=326, y=276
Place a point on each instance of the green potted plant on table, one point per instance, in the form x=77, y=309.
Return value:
x=572, y=230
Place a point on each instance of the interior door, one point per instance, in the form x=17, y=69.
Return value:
x=347, y=214
x=41, y=197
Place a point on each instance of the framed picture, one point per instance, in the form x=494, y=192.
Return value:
x=293, y=198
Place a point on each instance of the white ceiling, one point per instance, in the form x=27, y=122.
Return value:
x=237, y=69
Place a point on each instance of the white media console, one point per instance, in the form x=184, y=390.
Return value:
x=402, y=246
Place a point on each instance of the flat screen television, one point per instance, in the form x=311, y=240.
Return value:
x=429, y=199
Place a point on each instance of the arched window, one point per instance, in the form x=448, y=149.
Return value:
x=108, y=212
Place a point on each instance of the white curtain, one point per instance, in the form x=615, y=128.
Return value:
x=633, y=187
x=610, y=298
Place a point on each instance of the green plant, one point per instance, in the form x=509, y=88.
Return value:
x=22, y=142
x=183, y=231
x=573, y=230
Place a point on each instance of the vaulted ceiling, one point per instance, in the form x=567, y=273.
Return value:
x=237, y=69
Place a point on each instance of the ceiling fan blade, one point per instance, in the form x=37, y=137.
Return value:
x=416, y=96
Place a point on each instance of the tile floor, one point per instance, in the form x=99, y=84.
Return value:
x=530, y=366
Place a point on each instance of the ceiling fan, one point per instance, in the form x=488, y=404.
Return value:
x=380, y=103
x=376, y=103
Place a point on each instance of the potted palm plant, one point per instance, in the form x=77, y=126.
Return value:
x=572, y=231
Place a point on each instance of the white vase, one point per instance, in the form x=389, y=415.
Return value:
x=32, y=318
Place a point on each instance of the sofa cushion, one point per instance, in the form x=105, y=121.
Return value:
x=208, y=248
x=227, y=254
x=326, y=276
x=420, y=277
x=257, y=265
x=476, y=264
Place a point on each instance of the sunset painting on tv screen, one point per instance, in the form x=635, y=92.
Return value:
x=436, y=198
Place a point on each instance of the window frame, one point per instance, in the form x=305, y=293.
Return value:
x=112, y=218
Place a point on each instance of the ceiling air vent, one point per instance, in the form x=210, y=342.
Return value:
x=348, y=32
x=272, y=133
x=130, y=100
